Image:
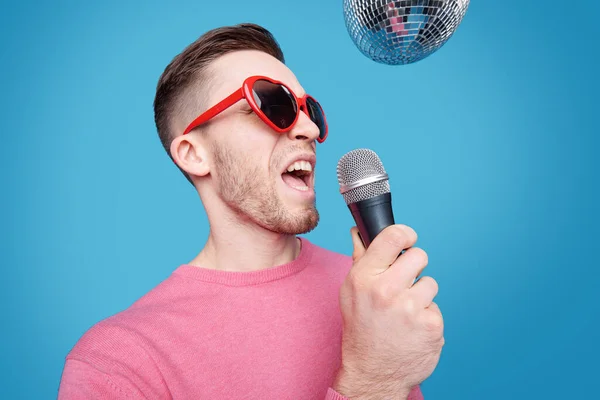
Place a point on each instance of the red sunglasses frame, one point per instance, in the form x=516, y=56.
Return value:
x=245, y=92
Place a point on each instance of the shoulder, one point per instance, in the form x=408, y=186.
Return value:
x=113, y=357
x=127, y=339
x=111, y=361
x=328, y=258
x=111, y=344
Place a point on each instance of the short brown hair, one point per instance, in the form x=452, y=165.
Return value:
x=187, y=71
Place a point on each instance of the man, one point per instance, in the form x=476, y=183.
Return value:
x=260, y=313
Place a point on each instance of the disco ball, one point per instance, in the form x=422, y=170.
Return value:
x=402, y=32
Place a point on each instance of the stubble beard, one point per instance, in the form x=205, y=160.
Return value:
x=242, y=187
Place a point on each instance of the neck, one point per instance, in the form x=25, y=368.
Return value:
x=240, y=245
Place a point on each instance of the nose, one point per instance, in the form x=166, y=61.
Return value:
x=304, y=129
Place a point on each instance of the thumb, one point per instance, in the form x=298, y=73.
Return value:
x=358, y=246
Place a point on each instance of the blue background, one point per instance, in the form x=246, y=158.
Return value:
x=491, y=144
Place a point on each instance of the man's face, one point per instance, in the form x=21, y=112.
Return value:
x=250, y=161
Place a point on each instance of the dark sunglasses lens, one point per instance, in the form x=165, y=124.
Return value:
x=316, y=115
x=276, y=102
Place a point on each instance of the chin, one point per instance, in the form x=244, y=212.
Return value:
x=308, y=224
x=295, y=223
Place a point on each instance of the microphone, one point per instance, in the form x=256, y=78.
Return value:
x=366, y=190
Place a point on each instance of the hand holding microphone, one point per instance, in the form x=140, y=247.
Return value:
x=393, y=331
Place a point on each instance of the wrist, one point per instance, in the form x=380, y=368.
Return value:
x=356, y=387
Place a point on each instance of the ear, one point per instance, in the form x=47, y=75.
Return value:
x=189, y=153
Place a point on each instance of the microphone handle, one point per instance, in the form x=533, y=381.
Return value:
x=372, y=216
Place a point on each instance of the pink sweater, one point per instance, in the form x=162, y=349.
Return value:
x=208, y=334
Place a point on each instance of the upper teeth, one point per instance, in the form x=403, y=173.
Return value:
x=300, y=166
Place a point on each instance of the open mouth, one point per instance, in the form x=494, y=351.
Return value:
x=298, y=175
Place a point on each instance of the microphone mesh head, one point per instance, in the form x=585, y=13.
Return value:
x=357, y=165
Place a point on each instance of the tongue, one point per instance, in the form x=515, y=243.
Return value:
x=293, y=180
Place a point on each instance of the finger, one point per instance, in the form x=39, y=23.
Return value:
x=407, y=267
x=386, y=246
x=434, y=321
x=358, y=247
x=424, y=291
x=435, y=308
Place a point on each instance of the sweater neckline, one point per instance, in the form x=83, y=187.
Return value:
x=239, y=278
